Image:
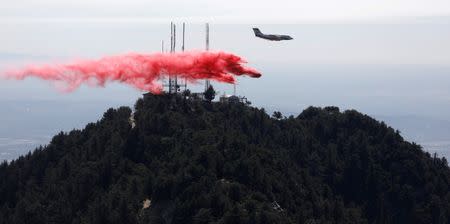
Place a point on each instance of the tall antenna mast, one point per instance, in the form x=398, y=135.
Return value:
x=171, y=49
x=207, y=36
x=174, y=37
x=184, y=28
x=182, y=49
x=173, y=79
x=175, y=84
x=207, y=82
x=171, y=37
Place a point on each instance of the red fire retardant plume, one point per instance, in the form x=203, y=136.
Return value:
x=141, y=71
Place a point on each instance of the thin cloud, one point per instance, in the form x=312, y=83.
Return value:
x=235, y=11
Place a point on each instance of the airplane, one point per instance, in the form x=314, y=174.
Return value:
x=272, y=37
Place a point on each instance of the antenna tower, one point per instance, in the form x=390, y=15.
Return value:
x=182, y=49
x=207, y=82
x=173, y=82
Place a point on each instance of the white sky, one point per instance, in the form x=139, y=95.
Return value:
x=264, y=11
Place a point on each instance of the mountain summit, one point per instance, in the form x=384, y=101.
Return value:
x=178, y=160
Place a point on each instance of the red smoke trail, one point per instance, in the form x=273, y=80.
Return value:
x=141, y=71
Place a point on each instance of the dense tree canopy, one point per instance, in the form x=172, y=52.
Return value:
x=188, y=161
x=210, y=93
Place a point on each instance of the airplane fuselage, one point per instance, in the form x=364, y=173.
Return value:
x=271, y=37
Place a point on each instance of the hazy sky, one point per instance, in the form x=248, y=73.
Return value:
x=381, y=69
x=264, y=11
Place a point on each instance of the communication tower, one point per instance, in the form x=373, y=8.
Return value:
x=207, y=82
x=173, y=84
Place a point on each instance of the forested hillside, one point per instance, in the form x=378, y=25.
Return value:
x=190, y=161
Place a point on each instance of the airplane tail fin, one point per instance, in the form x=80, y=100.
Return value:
x=257, y=32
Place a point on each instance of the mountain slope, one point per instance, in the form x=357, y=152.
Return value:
x=195, y=162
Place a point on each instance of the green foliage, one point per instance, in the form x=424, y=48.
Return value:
x=198, y=162
x=277, y=115
x=210, y=93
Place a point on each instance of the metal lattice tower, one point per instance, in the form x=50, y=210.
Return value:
x=173, y=82
x=175, y=78
x=182, y=49
x=207, y=82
